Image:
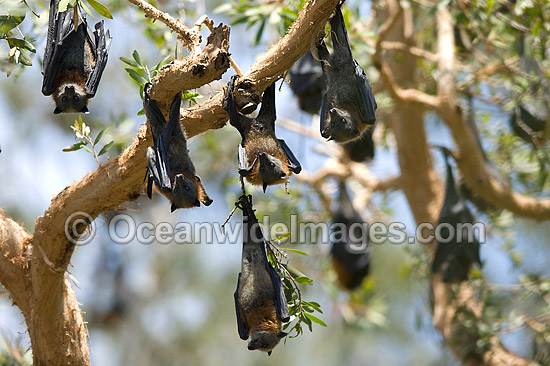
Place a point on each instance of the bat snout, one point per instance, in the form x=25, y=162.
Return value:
x=197, y=203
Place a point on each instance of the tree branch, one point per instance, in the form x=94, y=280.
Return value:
x=471, y=163
x=396, y=92
x=191, y=39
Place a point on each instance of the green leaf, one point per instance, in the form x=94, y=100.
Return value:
x=141, y=112
x=260, y=32
x=25, y=59
x=100, y=135
x=136, y=57
x=106, y=148
x=127, y=61
x=295, y=251
x=21, y=43
x=134, y=75
x=303, y=280
x=294, y=272
x=283, y=236
x=100, y=8
x=75, y=147
x=10, y=21
x=314, y=319
x=85, y=9
x=88, y=149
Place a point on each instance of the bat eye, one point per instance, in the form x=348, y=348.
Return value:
x=76, y=98
x=63, y=98
x=187, y=188
x=272, y=165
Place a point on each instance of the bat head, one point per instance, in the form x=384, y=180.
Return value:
x=70, y=98
x=343, y=125
x=188, y=192
x=265, y=340
x=185, y=193
x=271, y=170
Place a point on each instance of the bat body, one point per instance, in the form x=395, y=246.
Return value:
x=263, y=159
x=350, y=252
x=260, y=302
x=453, y=259
x=169, y=166
x=308, y=83
x=348, y=105
x=361, y=149
x=73, y=60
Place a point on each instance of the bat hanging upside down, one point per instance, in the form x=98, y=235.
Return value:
x=454, y=258
x=350, y=251
x=348, y=106
x=260, y=300
x=73, y=60
x=168, y=163
x=263, y=159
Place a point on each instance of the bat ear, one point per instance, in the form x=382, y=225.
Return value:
x=269, y=353
x=207, y=201
x=85, y=110
x=282, y=334
x=173, y=208
x=264, y=186
x=57, y=110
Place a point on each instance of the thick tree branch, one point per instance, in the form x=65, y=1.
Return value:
x=14, y=250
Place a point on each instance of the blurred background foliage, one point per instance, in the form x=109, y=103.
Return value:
x=173, y=304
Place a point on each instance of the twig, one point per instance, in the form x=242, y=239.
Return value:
x=190, y=39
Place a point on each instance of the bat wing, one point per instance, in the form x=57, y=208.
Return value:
x=366, y=105
x=100, y=43
x=241, y=320
x=244, y=169
x=281, y=306
x=267, y=112
x=158, y=165
x=293, y=163
x=59, y=28
x=154, y=115
x=323, y=117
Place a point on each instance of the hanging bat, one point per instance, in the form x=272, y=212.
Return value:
x=361, y=149
x=169, y=166
x=263, y=159
x=260, y=301
x=350, y=252
x=348, y=105
x=453, y=259
x=528, y=127
x=307, y=83
x=74, y=60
